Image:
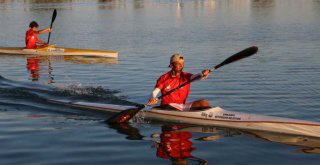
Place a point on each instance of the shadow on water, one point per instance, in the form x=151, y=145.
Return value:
x=176, y=141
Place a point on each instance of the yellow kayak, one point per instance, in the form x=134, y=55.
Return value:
x=54, y=50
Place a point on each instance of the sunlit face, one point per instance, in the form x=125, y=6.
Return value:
x=177, y=66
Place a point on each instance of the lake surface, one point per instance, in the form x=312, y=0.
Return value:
x=282, y=79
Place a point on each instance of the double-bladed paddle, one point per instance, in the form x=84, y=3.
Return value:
x=126, y=115
x=54, y=15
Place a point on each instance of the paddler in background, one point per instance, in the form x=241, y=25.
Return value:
x=173, y=79
x=32, y=36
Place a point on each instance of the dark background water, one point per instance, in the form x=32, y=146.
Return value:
x=281, y=80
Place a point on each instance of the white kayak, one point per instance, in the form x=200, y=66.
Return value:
x=54, y=50
x=214, y=117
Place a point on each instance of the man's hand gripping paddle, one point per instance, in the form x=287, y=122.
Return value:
x=126, y=115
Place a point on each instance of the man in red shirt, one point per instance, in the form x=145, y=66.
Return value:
x=173, y=79
x=32, y=36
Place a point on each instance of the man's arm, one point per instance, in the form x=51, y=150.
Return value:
x=43, y=31
x=204, y=74
x=41, y=42
x=153, y=99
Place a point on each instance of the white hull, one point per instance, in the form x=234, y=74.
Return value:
x=220, y=117
x=216, y=117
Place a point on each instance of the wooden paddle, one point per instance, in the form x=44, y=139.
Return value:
x=54, y=15
x=126, y=115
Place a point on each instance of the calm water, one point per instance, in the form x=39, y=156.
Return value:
x=281, y=80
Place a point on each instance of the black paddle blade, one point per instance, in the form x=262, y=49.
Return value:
x=123, y=116
x=54, y=15
x=240, y=55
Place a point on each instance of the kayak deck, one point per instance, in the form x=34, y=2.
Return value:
x=53, y=50
x=215, y=117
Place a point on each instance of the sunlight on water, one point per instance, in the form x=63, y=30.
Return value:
x=282, y=79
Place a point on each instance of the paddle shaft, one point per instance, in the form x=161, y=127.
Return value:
x=126, y=115
x=173, y=90
x=240, y=55
x=52, y=20
x=184, y=84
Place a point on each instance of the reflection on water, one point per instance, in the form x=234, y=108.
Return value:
x=134, y=4
x=282, y=80
x=305, y=144
x=90, y=60
x=176, y=145
x=175, y=140
x=33, y=67
x=173, y=143
x=41, y=67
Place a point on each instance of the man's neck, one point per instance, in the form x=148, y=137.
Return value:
x=175, y=74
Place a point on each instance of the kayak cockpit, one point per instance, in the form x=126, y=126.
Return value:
x=169, y=108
